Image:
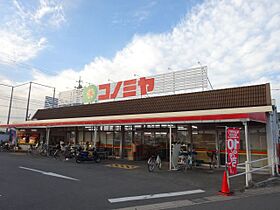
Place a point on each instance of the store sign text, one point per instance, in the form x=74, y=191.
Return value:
x=121, y=89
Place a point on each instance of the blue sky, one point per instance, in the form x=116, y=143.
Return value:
x=56, y=41
x=96, y=28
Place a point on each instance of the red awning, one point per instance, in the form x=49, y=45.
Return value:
x=119, y=120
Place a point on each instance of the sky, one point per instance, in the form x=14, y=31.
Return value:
x=54, y=42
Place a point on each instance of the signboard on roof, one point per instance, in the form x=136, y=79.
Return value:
x=177, y=81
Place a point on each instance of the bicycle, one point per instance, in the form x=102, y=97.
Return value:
x=59, y=154
x=185, y=161
x=153, y=162
x=213, y=159
x=38, y=149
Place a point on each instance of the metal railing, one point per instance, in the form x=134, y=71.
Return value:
x=249, y=170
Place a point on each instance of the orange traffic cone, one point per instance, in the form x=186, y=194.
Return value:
x=225, y=188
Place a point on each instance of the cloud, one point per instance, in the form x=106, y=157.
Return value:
x=22, y=29
x=239, y=41
x=48, y=12
x=135, y=17
x=21, y=26
x=144, y=12
x=18, y=47
x=51, y=10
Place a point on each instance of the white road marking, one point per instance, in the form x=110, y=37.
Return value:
x=152, y=196
x=49, y=173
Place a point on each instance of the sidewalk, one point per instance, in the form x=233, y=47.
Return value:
x=209, y=199
x=201, y=176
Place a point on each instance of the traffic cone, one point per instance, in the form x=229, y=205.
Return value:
x=225, y=188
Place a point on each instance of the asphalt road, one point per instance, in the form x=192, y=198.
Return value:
x=31, y=189
x=38, y=183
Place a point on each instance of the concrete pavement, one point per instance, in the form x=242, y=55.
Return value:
x=37, y=183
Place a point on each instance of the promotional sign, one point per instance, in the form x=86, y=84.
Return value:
x=13, y=135
x=172, y=82
x=232, y=149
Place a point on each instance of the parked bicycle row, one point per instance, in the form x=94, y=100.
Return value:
x=66, y=152
x=185, y=160
x=59, y=151
x=7, y=147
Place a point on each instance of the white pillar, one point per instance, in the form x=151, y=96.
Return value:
x=170, y=141
x=270, y=144
x=48, y=139
x=217, y=148
x=248, y=156
x=95, y=136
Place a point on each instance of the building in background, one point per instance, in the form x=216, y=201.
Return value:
x=70, y=97
x=50, y=102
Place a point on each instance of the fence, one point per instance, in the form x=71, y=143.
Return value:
x=249, y=170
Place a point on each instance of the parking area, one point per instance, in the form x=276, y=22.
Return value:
x=33, y=182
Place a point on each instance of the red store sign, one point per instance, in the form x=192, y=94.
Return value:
x=129, y=88
x=232, y=149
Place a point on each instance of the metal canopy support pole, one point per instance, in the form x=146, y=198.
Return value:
x=113, y=144
x=218, y=148
x=83, y=130
x=76, y=136
x=190, y=134
x=48, y=139
x=106, y=138
x=91, y=129
x=95, y=136
x=99, y=135
x=226, y=165
x=248, y=156
x=140, y=156
x=122, y=142
x=133, y=134
x=170, y=141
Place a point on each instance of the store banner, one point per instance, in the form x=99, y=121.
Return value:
x=13, y=135
x=233, y=145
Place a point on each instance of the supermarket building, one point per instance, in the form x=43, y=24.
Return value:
x=136, y=128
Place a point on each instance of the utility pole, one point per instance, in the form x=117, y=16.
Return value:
x=10, y=106
x=28, y=101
